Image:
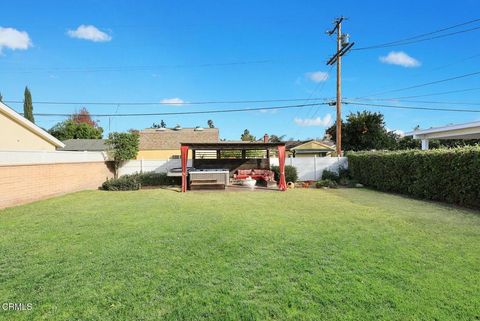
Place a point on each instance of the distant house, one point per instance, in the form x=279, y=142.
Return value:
x=310, y=148
x=92, y=145
x=19, y=134
x=164, y=143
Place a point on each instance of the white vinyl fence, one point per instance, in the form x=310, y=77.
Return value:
x=309, y=168
x=153, y=165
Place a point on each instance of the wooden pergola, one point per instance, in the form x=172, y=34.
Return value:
x=232, y=163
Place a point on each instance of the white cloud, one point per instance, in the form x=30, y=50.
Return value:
x=89, y=32
x=173, y=101
x=317, y=76
x=13, y=39
x=325, y=122
x=268, y=111
x=400, y=58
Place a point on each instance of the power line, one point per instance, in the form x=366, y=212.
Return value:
x=146, y=103
x=134, y=68
x=417, y=38
x=189, y=112
x=414, y=107
x=421, y=101
x=424, y=84
x=439, y=93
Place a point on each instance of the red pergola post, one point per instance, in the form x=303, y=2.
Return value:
x=184, y=156
x=282, y=184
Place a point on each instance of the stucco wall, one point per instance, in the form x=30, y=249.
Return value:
x=16, y=137
x=160, y=154
x=21, y=184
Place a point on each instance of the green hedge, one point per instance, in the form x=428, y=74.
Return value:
x=449, y=175
x=158, y=179
x=136, y=181
x=123, y=183
x=291, y=174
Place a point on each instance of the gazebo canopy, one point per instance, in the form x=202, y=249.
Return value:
x=233, y=145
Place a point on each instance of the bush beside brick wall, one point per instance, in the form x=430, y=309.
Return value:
x=448, y=175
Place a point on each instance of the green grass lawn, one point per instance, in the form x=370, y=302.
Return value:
x=347, y=254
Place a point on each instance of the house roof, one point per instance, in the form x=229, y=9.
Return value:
x=85, y=145
x=310, y=145
x=459, y=131
x=168, y=138
x=16, y=117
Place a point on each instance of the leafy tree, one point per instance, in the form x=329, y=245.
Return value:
x=364, y=131
x=210, y=124
x=80, y=125
x=28, y=105
x=1, y=97
x=83, y=116
x=408, y=142
x=161, y=125
x=276, y=139
x=247, y=137
x=68, y=129
x=123, y=147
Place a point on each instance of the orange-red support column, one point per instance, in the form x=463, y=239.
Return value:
x=184, y=156
x=282, y=184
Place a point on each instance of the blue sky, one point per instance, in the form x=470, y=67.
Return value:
x=233, y=50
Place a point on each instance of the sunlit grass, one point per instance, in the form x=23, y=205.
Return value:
x=348, y=254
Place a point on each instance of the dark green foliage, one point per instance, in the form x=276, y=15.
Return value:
x=69, y=129
x=364, y=131
x=124, y=183
x=291, y=174
x=123, y=146
x=276, y=138
x=158, y=179
x=28, y=105
x=449, y=175
x=1, y=97
x=247, y=137
x=134, y=182
x=330, y=175
x=326, y=183
x=343, y=172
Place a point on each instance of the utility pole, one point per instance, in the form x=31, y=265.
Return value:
x=343, y=46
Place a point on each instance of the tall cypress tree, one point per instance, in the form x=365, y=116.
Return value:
x=1, y=97
x=28, y=106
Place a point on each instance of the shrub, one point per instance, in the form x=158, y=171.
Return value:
x=157, y=179
x=343, y=172
x=330, y=175
x=291, y=174
x=326, y=183
x=449, y=175
x=124, y=183
x=345, y=181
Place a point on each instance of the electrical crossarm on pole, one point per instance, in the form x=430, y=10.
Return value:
x=343, y=46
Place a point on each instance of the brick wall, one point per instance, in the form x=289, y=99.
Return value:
x=21, y=184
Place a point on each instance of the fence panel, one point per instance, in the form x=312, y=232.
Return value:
x=308, y=168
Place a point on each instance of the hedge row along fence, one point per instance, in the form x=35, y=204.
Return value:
x=449, y=175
